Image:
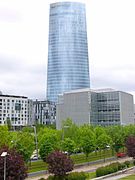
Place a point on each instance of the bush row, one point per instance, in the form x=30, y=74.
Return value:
x=112, y=168
x=71, y=176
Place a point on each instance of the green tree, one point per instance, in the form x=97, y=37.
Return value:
x=99, y=130
x=117, y=134
x=8, y=122
x=68, y=145
x=24, y=144
x=52, y=135
x=87, y=139
x=28, y=129
x=5, y=136
x=103, y=142
x=70, y=130
x=46, y=149
x=49, y=139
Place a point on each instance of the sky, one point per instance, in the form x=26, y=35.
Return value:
x=24, y=45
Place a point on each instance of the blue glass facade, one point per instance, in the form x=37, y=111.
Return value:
x=68, y=66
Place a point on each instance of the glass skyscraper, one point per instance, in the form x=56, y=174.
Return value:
x=68, y=66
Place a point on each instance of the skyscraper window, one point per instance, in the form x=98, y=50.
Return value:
x=68, y=66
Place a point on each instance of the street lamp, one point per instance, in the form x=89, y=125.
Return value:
x=36, y=142
x=4, y=154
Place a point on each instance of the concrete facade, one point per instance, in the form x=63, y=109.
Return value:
x=96, y=107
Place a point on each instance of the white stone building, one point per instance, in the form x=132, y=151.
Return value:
x=17, y=109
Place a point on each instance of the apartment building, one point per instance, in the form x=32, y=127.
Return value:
x=16, y=109
x=44, y=112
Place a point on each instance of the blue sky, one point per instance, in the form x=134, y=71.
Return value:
x=24, y=45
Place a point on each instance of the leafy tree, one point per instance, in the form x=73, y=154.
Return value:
x=117, y=135
x=59, y=163
x=87, y=139
x=5, y=138
x=88, y=145
x=51, y=126
x=67, y=122
x=46, y=149
x=71, y=130
x=103, y=142
x=15, y=166
x=52, y=134
x=24, y=144
x=130, y=145
x=68, y=145
x=49, y=140
x=39, y=126
x=8, y=122
x=28, y=129
x=129, y=130
x=98, y=130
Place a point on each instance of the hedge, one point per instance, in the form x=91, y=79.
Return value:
x=112, y=168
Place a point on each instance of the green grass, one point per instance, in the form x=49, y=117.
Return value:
x=37, y=166
x=131, y=177
x=81, y=158
x=92, y=175
x=77, y=159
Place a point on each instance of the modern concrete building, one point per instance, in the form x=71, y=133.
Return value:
x=97, y=107
x=68, y=66
x=44, y=112
x=17, y=109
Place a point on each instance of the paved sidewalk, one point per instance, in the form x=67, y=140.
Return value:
x=89, y=168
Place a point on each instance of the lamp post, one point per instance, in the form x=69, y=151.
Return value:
x=4, y=154
x=36, y=142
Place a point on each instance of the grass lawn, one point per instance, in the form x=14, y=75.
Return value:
x=131, y=177
x=37, y=166
x=81, y=158
x=77, y=158
x=92, y=175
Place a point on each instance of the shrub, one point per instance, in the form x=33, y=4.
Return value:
x=134, y=162
x=123, y=166
x=77, y=176
x=112, y=168
x=100, y=171
x=59, y=163
x=130, y=145
x=71, y=176
x=127, y=163
x=15, y=166
x=119, y=166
